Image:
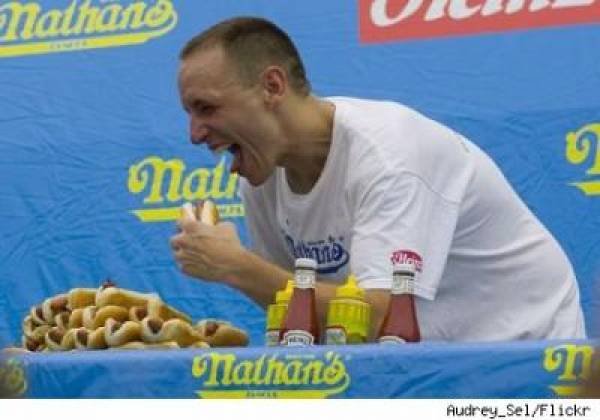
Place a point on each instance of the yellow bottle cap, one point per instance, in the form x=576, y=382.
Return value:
x=284, y=296
x=350, y=289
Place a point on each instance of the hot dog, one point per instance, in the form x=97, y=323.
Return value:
x=119, y=333
x=94, y=317
x=203, y=211
x=155, y=330
x=219, y=333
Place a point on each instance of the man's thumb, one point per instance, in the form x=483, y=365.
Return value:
x=187, y=221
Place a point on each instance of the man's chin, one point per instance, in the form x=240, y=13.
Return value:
x=254, y=180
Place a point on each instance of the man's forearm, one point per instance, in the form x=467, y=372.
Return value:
x=260, y=280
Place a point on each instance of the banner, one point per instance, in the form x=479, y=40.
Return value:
x=515, y=370
x=95, y=157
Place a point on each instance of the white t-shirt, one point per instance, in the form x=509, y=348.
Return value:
x=398, y=186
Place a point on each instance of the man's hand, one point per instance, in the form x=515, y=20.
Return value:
x=205, y=251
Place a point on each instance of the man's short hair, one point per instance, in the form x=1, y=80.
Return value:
x=253, y=44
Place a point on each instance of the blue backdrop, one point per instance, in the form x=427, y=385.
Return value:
x=95, y=157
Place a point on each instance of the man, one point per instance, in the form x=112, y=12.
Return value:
x=359, y=185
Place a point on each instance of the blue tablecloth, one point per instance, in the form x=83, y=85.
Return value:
x=546, y=369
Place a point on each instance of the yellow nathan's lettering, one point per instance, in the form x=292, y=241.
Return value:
x=133, y=16
x=296, y=377
x=196, y=185
x=292, y=372
x=108, y=18
x=572, y=361
x=335, y=371
x=13, y=16
x=242, y=373
x=151, y=174
x=86, y=18
x=257, y=378
x=26, y=29
x=211, y=363
x=199, y=366
x=584, y=144
x=159, y=14
x=13, y=381
x=313, y=373
x=48, y=24
x=274, y=372
x=67, y=21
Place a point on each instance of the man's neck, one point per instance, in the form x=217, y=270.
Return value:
x=312, y=125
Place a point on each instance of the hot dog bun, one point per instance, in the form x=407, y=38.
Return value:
x=219, y=333
x=208, y=213
x=111, y=295
x=81, y=297
x=203, y=211
x=155, y=330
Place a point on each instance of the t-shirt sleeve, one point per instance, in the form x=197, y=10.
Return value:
x=399, y=218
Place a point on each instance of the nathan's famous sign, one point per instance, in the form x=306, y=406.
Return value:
x=28, y=28
x=394, y=20
x=167, y=184
x=270, y=375
x=573, y=365
x=583, y=148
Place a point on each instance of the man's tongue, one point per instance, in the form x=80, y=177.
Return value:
x=237, y=158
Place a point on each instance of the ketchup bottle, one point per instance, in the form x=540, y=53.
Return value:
x=400, y=323
x=301, y=326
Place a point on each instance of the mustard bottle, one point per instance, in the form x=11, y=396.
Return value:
x=348, y=315
x=276, y=313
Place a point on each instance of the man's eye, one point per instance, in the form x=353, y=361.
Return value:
x=204, y=109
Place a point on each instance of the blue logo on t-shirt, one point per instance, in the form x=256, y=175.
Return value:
x=329, y=253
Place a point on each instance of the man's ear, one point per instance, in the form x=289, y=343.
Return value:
x=274, y=84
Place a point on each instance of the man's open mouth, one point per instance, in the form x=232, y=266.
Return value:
x=235, y=151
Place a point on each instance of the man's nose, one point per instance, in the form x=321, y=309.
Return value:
x=198, y=131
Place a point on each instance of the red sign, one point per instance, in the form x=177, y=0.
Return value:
x=393, y=20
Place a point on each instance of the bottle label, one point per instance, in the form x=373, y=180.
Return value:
x=304, y=279
x=272, y=338
x=403, y=284
x=335, y=336
x=390, y=339
x=297, y=338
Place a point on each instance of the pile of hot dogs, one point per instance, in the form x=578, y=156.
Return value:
x=111, y=317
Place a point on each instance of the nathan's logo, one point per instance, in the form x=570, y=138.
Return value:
x=386, y=20
x=166, y=185
x=583, y=146
x=13, y=383
x=572, y=364
x=294, y=376
x=26, y=29
x=329, y=253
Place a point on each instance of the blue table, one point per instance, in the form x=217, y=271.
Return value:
x=547, y=369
